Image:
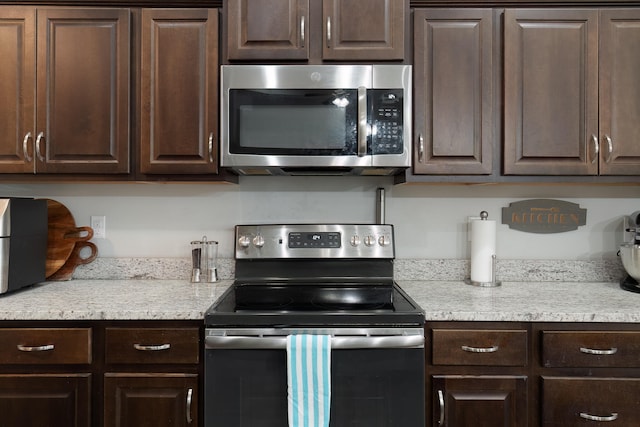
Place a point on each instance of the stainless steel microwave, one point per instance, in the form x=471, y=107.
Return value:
x=315, y=119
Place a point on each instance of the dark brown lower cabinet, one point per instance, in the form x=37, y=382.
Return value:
x=100, y=373
x=532, y=374
x=45, y=400
x=141, y=399
x=479, y=401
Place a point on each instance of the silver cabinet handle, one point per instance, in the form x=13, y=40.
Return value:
x=302, y=31
x=420, y=148
x=160, y=347
x=612, y=417
x=441, y=403
x=211, y=147
x=596, y=148
x=362, y=121
x=491, y=349
x=328, y=31
x=25, y=147
x=612, y=350
x=189, y=397
x=47, y=347
x=607, y=157
x=38, y=140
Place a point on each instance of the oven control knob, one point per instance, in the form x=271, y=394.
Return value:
x=369, y=240
x=384, y=240
x=355, y=240
x=244, y=241
x=258, y=241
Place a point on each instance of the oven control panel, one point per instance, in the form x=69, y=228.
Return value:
x=314, y=241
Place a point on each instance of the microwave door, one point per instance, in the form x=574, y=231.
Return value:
x=297, y=127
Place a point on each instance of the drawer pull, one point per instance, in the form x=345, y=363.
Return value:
x=610, y=351
x=47, y=347
x=441, y=402
x=491, y=349
x=189, y=398
x=152, y=347
x=612, y=417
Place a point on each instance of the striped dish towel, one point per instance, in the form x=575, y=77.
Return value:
x=309, y=380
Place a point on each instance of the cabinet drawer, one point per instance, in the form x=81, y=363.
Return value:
x=590, y=349
x=479, y=347
x=152, y=345
x=45, y=346
x=590, y=401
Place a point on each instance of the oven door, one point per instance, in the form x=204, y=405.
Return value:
x=377, y=377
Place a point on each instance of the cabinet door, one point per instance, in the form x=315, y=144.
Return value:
x=364, y=29
x=481, y=401
x=590, y=401
x=620, y=92
x=159, y=400
x=453, y=81
x=179, y=91
x=267, y=29
x=53, y=400
x=17, y=86
x=551, y=92
x=83, y=90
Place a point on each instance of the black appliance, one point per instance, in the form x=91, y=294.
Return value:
x=23, y=242
x=330, y=279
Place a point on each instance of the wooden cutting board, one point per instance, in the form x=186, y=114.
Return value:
x=62, y=236
x=75, y=259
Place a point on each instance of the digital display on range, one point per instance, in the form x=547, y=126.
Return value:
x=330, y=239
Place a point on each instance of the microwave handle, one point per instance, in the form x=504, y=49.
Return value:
x=362, y=121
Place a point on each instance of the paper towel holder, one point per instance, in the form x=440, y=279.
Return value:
x=493, y=283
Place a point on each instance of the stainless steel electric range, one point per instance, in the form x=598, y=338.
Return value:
x=324, y=279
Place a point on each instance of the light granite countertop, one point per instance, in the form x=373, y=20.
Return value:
x=145, y=299
x=105, y=299
x=526, y=301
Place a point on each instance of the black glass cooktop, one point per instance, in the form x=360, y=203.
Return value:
x=304, y=297
x=281, y=304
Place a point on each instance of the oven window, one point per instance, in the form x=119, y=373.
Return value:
x=370, y=387
x=293, y=122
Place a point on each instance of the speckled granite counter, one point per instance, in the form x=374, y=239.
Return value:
x=526, y=301
x=112, y=300
x=441, y=300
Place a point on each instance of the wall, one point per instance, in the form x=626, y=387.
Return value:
x=159, y=220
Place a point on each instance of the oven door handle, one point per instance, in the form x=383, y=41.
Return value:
x=337, y=343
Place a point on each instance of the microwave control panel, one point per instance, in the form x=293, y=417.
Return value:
x=385, y=106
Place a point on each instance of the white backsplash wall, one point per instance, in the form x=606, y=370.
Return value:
x=160, y=219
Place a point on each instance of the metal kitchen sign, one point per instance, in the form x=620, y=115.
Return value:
x=544, y=216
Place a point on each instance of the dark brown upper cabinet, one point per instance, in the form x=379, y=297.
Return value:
x=65, y=78
x=453, y=91
x=619, y=85
x=294, y=30
x=571, y=92
x=179, y=91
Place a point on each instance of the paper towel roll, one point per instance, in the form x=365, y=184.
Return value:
x=483, y=247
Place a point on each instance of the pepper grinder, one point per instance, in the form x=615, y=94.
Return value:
x=204, y=255
x=196, y=257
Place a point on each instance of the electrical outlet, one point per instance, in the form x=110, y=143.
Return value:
x=99, y=225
